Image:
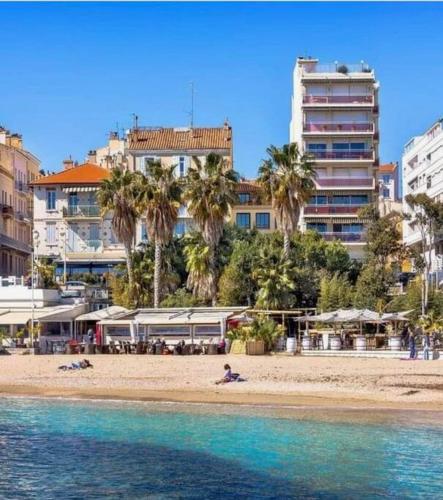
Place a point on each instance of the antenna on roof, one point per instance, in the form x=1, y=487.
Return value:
x=135, y=118
x=192, y=104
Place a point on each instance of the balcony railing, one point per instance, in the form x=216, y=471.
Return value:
x=339, y=127
x=82, y=211
x=90, y=246
x=7, y=211
x=337, y=68
x=347, y=237
x=344, y=181
x=337, y=99
x=331, y=209
x=7, y=241
x=358, y=154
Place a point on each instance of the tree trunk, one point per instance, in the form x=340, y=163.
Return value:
x=286, y=244
x=157, y=270
x=213, y=278
x=129, y=269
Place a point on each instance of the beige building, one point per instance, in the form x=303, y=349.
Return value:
x=18, y=168
x=335, y=113
x=252, y=212
x=176, y=146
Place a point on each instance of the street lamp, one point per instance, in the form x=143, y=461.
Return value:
x=35, y=237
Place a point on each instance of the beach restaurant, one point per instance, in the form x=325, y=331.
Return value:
x=171, y=324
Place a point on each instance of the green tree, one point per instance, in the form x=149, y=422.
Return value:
x=160, y=197
x=335, y=292
x=210, y=193
x=237, y=286
x=275, y=279
x=372, y=285
x=287, y=179
x=427, y=216
x=118, y=195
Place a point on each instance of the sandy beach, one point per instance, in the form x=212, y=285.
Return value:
x=273, y=380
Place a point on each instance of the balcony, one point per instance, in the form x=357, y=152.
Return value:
x=357, y=154
x=339, y=127
x=344, y=182
x=332, y=209
x=85, y=246
x=336, y=67
x=80, y=211
x=7, y=241
x=342, y=100
x=7, y=211
x=346, y=237
x=21, y=186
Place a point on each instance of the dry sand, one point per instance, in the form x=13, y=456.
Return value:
x=273, y=380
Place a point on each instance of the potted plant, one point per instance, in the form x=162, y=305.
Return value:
x=394, y=340
x=343, y=69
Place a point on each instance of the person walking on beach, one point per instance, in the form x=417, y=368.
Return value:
x=426, y=346
x=412, y=348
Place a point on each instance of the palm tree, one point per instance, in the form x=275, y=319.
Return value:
x=287, y=179
x=210, y=193
x=118, y=194
x=160, y=197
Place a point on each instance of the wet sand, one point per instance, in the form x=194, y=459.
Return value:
x=277, y=380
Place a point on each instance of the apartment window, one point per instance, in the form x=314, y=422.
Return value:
x=243, y=220
x=94, y=232
x=316, y=147
x=50, y=233
x=262, y=220
x=320, y=227
x=386, y=179
x=180, y=228
x=182, y=166
x=318, y=200
x=348, y=228
x=386, y=193
x=244, y=198
x=50, y=199
x=359, y=199
x=143, y=232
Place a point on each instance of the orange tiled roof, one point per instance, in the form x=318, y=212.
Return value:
x=179, y=139
x=248, y=186
x=88, y=173
x=387, y=167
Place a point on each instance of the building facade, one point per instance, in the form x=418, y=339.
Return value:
x=335, y=118
x=388, y=189
x=67, y=222
x=176, y=146
x=422, y=171
x=18, y=168
x=252, y=212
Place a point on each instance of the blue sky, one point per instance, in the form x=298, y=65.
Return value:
x=70, y=72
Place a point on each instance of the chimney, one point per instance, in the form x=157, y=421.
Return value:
x=227, y=130
x=68, y=164
x=92, y=156
x=15, y=141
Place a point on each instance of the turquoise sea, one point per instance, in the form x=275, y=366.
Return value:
x=88, y=449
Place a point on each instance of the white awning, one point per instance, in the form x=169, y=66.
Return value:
x=44, y=314
x=80, y=189
x=107, y=313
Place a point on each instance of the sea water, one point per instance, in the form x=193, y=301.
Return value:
x=90, y=449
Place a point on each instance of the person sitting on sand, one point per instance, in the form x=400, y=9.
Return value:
x=229, y=376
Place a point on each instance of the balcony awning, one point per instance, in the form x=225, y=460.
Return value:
x=80, y=189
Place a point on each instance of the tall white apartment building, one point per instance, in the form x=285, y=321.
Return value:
x=422, y=169
x=335, y=118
